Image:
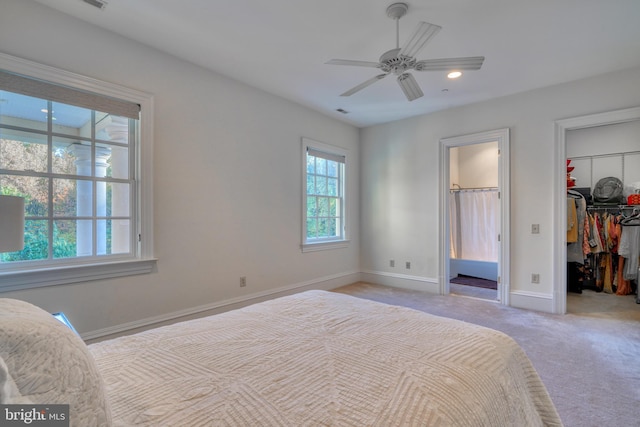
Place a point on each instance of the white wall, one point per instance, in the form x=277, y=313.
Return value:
x=227, y=178
x=400, y=175
x=476, y=165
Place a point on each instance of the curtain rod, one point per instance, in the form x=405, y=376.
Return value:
x=473, y=188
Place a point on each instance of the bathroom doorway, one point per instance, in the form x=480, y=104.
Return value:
x=474, y=215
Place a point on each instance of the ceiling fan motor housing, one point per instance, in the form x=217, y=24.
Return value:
x=392, y=62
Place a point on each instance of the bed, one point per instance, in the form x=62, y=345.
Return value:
x=315, y=358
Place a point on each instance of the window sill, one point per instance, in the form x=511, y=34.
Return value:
x=28, y=279
x=323, y=246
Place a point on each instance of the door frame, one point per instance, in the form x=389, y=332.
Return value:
x=560, y=192
x=501, y=136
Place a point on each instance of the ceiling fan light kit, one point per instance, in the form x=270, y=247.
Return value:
x=402, y=59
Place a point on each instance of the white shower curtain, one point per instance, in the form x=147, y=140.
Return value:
x=474, y=224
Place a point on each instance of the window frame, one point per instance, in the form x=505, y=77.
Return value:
x=142, y=259
x=329, y=243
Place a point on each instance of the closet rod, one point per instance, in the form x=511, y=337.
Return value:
x=613, y=207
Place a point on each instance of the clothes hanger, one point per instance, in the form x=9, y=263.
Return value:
x=575, y=194
x=633, y=219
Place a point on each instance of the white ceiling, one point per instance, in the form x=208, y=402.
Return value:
x=281, y=46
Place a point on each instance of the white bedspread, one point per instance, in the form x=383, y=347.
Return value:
x=322, y=359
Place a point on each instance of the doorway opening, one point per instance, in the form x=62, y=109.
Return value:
x=473, y=220
x=562, y=128
x=474, y=215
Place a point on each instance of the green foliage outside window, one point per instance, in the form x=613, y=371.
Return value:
x=323, y=198
x=34, y=191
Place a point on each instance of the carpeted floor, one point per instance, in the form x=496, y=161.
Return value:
x=589, y=359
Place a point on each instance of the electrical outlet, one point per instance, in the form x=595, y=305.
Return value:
x=408, y=265
x=243, y=281
x=392, y=263
x=535, y=278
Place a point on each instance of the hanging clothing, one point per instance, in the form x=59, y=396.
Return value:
x=612, y=232
x=575, y=235
x=596, y=235
x=586, y=236
x=607, y=269
x=572, y=221
x=624, y=286
x=629, y=248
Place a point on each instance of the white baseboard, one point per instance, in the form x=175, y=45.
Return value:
x=519, y=299
x=531, y=301
x=404, y=281
x=324, y=283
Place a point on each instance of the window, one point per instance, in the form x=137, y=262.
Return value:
x=72, y=154
x=324, y=202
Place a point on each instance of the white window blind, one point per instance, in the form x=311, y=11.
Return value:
x=67, y=95
x=324, y=155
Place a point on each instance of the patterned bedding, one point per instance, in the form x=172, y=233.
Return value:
x=321, y=359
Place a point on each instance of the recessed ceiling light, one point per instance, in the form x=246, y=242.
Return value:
x=454, y=74
x=340, y=110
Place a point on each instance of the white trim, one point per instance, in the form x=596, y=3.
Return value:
x=144, y=262
x=560, y=192
x=403, y=281
x=51, y=276
x=502, y=137
x=67, y=78
x=532, y=301
x=323, y=246
x=325, y=283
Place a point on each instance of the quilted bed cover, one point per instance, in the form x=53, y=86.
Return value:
x=319, y=358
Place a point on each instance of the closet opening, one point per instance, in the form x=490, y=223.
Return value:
x=598, y=215
x=603, y=196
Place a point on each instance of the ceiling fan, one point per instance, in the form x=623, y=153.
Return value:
x=400, y=60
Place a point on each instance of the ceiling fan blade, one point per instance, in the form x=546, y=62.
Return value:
x=364, y=84
x=424, y=32
x=356, y=63
x=445, y=64
x=409, y=86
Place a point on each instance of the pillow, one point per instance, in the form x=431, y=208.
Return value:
x=45, y=362
x=9, y=392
